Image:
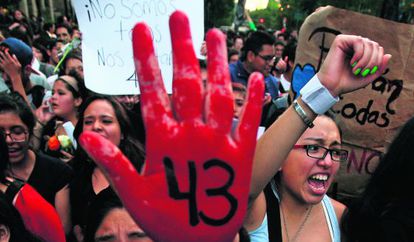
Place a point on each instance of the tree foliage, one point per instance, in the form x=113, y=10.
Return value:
x=297, y=10
x=218, y=13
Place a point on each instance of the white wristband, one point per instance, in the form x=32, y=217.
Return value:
x=317, y=97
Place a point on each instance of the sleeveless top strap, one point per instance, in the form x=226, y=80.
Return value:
x=331, y=219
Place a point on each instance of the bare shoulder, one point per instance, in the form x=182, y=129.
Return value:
x=339, y=208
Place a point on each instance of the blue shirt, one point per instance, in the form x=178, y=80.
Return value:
x=240, y=75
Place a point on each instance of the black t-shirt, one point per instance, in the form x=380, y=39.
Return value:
x=49, y=176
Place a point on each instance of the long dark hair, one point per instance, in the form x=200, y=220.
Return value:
x=4, y=156
x=388, y=193
x=104, y=202
x=10, y=217
x=129, y=145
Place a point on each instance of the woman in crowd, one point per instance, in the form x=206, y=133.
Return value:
x=67, y=95
x=106, y=116
x=311, y=162
x=30, y=210
x=307, y=157
x=385, y=211
x=298, y=191
x=109, y=220
x=49, y=176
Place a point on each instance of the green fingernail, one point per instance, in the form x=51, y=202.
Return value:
x=365, y=72
x=374, y=69
x=357, y=71
x=356, y=62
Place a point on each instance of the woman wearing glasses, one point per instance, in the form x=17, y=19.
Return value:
x=298, y=156
x=24, y=214
x=300, y=186
x=49, y=176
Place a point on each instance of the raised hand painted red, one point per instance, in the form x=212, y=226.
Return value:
x=39, y=216
x=195, y=183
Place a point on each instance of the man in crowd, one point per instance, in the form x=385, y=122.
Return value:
x=64, y=33
x=16, y=66
x=258, y=55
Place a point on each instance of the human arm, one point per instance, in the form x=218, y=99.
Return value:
x=11, y=66
x=62, y=206
x=337, y=75
x=250, y=22
x=197, y=172
x=38, y=215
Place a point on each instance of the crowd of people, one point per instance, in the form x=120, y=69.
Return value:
x=47, y=113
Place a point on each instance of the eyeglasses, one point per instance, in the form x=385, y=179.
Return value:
x=319, y=152
x=267, y=58
x=17, y=134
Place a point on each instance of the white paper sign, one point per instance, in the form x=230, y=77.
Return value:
x=106, y=27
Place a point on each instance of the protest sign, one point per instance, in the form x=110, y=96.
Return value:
x=369, y=117
x=106, y=39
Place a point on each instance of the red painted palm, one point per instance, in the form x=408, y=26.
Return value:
x=195, y=183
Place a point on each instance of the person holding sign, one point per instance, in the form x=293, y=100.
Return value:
x=197, y=173
x=305, y=152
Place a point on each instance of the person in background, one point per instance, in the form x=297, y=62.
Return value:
x=239, y=94
x=233, y=56
x=106, y=116
x=16, y=66
x=257, y=55
x=64, y=33
x=59, y=115
x=237, y=43
x=108, y=220
x=385, y=211
x=49, y=176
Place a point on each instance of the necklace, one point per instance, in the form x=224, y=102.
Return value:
x=300, y=226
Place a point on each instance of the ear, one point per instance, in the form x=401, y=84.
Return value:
x=4, y=233
x=78, y=101
x=27, y=70
x=250, y=56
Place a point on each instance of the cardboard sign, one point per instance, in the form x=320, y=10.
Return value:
x=106, y=39
x=370, y=116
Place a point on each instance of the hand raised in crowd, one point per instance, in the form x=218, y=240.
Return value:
x=10, y=64
x=197, y=172
x=281, y=65
x=352, y=63
x=43, y=113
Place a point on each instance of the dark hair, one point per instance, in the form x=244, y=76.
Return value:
x=290, y=50
x=104, y=202
x=74, y=54
x=10, y=217
x=129, y=145
x=63, y=25
x=238, y=87
x=255, y=42
x=388, y=193
x=278, y=42
x=39, y=45
x=329, y=115
x=47, y=26
x=15, y=103
x=232, y=52
x=82, y=91
x=4, y=156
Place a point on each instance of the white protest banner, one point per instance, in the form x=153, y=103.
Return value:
x=106, y=39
